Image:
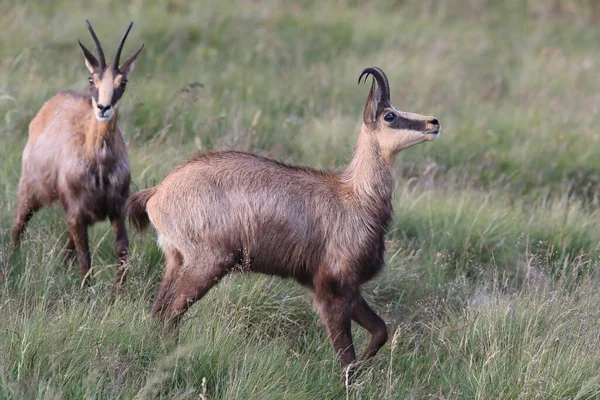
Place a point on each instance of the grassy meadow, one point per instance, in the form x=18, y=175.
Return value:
x=491, y=288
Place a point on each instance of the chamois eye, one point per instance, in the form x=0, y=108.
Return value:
x=389, y=117
x=90, y=80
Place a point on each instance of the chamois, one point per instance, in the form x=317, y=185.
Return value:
x=76, y=155
x=324, y=229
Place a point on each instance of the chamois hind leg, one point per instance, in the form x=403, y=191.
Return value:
x=336, y=313
x=165, y=290
x=121, y=249
x=198, y=275
x=363, y=315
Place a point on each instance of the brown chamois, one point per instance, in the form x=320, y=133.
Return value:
x=76, y=155
x=324, y=229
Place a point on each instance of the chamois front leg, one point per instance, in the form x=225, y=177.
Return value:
x=336, y=314
x=78, y=231
x=363, y=315
x=121, y=249
x=26, y=207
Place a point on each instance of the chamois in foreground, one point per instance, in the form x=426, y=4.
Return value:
x=324, y=229
x=76, y=155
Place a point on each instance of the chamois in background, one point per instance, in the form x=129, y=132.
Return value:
x=76, y=155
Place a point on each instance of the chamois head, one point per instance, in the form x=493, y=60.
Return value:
x=107, y=82
x=394, y=130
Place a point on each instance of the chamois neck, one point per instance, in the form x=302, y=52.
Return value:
x=368, y=174
x=99, y=133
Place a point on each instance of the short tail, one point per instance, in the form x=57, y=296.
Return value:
x=135, y=208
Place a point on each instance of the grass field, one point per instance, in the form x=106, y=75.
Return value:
x=493, y=264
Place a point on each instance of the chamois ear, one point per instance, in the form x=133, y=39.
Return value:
x=371, y=106
x=90, y=61
x=129, y=64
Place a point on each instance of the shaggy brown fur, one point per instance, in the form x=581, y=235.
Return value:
x=76, y=155
x=325, y=230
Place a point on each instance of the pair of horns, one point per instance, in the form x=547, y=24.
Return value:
x=382, y=82
x=102, y=62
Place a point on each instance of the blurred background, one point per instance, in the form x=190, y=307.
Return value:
x=493, y=257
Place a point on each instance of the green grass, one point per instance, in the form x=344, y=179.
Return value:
x=493, y=262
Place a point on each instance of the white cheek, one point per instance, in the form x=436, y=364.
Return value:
x=414, y=137
x=405, y=139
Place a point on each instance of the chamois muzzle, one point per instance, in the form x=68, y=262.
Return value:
x=433, y=129
x=103, y=109
x=433, y=126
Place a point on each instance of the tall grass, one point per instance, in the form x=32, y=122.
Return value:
x=491, y=284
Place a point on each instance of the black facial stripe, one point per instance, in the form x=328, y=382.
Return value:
x=117, y=93
x=408, y=124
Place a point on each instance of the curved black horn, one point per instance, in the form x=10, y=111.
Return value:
x=118, y=56
x=100, y=52
x=382, y=81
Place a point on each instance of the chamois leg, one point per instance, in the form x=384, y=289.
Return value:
x=69, y=250
x=78, y=231
x=363, y=315
x=197, y=277
x=192, y=287
x=26, y=207
x=336, y=313
x=165, y=290
x=121, y=249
